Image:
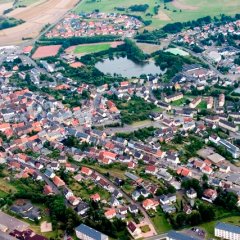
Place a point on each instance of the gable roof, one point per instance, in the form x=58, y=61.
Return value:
x=92, y=233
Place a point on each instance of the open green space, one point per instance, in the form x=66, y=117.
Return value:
x=202, y=105
x=177, y=51
x=179, y=102
x=175, y=11
x=91, y=48
x=160, y=222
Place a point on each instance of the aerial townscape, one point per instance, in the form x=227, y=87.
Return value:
x=119, y=119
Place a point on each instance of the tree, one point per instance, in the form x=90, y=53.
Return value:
x=207, y=212
x=181, y=219
x=205, y=177
x=195, y=218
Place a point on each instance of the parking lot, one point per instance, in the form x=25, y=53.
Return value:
x=12, y=223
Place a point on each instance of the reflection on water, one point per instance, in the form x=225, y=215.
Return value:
x=126, y=67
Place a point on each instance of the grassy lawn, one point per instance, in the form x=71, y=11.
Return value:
x=2, y=194
x=6, y=187
x=160, y=222
x=190, y=9
x=179, y=102
x=209, y=227
x=202, y=105
x=91, y=48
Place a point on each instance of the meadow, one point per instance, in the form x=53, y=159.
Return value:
x=177, y=10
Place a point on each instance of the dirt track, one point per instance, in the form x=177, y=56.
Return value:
x=35, y=17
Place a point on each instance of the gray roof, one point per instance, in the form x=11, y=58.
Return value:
x=228, y=227
x=179, y=236
x=92, y=233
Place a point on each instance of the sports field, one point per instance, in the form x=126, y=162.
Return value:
x=92, y=48
x=177, y=10
x=177, y=51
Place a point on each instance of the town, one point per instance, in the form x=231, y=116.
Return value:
x=89, y=155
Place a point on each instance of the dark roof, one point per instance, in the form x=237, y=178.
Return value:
x=92, y=233
x=228, y=227
x=179, y=236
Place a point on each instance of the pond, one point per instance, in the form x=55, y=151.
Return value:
x=127, y=68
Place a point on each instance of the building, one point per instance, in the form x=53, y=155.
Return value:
x=173, y=235
x=228, y=125
x=235, y=151
x=174, y=97
x=227, y=231
x=84, y=232
x=209, y=102
x=195, y=102
x=221, y=100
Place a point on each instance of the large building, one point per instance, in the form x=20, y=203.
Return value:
x=84, y=232
x=173, y=235
x=228, y=125
x=227, y=231
x=174, y=97
x=235, y=151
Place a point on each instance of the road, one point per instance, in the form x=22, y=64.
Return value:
x=129, y=199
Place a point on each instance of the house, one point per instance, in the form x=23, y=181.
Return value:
x=135, y=195
x=95, y=197
x=86, y=171
x=183, y=171
x=151, y=169
x=58, y=181
x=117, y=194
x=47, y=190
x=227, y=231
x=150, y=204
x=191, y=193
x=168, y=208
x=134, y=230
x=111, y=213
x=187, y=209
x=207, y=170
x=123, y=210
x=82, y=208
x=114, y=202
x=209, y=195
x=224, y=168
x=84, y=232
x=74, y=201
x=49, y=173
x=133, y=208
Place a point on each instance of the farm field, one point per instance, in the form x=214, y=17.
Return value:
x=177, y=10
x=36, y=16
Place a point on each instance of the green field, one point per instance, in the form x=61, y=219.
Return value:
x=177, y=51
x=177, y=10
x=91, y=48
